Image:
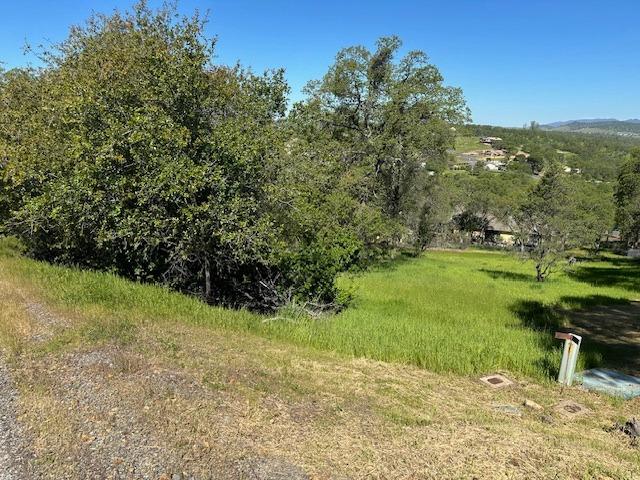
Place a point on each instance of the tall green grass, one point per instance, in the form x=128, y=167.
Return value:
x=463, y=312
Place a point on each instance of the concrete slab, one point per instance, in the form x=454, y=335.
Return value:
x=611, y=382
x=496, y=381
x=569, y=408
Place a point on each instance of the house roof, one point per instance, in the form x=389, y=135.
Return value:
x=498, y=225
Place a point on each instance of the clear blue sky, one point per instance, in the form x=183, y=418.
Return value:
x=516, y=60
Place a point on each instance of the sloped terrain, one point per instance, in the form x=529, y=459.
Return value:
x=629, y=127
x=102, y=396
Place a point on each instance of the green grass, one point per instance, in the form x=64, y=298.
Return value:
x=463, y=312
x=472, y=312
x=467, y=312
x=466, y=144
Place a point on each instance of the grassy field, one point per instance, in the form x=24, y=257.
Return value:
x=469, y=313
x=462, y=312
x=468, y=143
x=474, y=312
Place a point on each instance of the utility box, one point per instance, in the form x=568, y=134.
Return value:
x=569, y=356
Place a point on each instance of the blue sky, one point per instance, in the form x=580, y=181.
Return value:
x=516, y=60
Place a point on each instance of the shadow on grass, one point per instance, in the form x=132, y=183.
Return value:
x=610, y=328
x=538, y=316
x=543, y=319
x=506, y=275
x=623, y=273
x=393, y=262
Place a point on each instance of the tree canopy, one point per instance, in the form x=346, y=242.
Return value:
x=627, y=196
x=131, y=151
x=390, y=120
x=558, y=215
x=137, y=155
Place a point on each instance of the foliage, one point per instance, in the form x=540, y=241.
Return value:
x=557, y=216
x=468, y=221
x=135, y=154
x=595, y=208
x=129, y=151
x=463, y=202
x=388, y=124
x=627, y=196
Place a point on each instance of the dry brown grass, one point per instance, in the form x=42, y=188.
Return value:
x=167, y=397
x=15, y=324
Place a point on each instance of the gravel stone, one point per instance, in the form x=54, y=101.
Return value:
x=13, y=454
x=270, y=469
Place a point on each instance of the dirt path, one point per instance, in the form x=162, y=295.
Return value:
x=13, y=461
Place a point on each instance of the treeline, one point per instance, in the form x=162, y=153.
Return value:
x=544, y=217
x=599, y=157
x=130, y=151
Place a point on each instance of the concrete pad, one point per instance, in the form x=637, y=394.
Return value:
x=611, y=382
x=496, y=381
x=569, y=408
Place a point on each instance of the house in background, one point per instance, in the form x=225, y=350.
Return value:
x=490, y=140
x=499, y=232
x=496, y=233
x=576, y=171
x=495, y=166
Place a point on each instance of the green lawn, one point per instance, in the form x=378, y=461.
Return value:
x=464, y=312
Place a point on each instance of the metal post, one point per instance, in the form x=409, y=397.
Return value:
x=562, y=376
x=569, y=356
x=574, y=349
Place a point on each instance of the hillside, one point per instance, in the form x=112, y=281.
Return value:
x=597, y=156
x=625, y=128
x=105, y=378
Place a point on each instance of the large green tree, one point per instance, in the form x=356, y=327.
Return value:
x=552, y=220
x=389, y=121
x=594, y=209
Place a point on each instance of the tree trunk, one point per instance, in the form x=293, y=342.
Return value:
x=207, y=279
x=539, y=273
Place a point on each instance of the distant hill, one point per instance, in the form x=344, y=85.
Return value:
x=602, y=126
